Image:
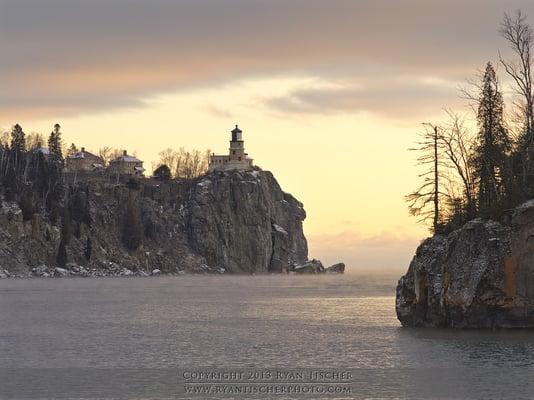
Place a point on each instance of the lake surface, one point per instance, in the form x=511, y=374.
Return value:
x=130, y=338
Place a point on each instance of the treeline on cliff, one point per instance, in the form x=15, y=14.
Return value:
x=36, y=182
x=487, y=171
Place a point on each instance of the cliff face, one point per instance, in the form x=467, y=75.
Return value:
x=480, y=276
x=244, y=222
x=232, y=221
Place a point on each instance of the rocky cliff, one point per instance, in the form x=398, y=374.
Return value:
x=236, y=221
x=479, y=276
x=244, y=222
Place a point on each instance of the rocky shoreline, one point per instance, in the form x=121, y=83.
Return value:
x=113, y=270
x=234, y=222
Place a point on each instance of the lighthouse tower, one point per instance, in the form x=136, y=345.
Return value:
x=236, y=159
x=237, y=147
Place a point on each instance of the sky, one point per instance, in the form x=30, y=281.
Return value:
x=330, y=95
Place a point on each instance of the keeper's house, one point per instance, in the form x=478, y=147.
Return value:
x=126, y=165
x=84, y=161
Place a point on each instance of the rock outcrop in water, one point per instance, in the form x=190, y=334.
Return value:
x=235, y=221
x=479, y=276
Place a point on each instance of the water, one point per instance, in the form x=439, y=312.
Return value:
x=126, y=338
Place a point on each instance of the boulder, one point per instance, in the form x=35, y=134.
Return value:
x=60, y=272
x=40, y=270
x=479, y=276
x=78, y=270
x=338, y=268
x=156, y=272
x=309, y=267
x=202, y=269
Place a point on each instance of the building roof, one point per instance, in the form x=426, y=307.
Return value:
x=83, y=154
x=43, y=150
x=126, y=158
x=237, y=130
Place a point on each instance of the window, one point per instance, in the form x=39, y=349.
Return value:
x=239, y=158
x=233, y=152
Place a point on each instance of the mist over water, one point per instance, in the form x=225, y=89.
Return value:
x=272, y=321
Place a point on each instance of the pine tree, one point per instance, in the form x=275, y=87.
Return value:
x=492, y=144
x=163, y=172
x=72, y=150
x=87, y=215
x=132, y=232
x=88, y=249
x=18, y=139
x=54, y=143
x=10, y=184
x=66, y=226
x=61, y=258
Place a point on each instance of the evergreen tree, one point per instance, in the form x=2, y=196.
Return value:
x=54, y=143
x=61, y=257
x=492, y=144
x=72, y=150
x=10, y=183
x=163, y=172
x=132, y=231
x=26, y=204
x=88, y=249
x=18, y=139
x=87, y=215
x=66, y=226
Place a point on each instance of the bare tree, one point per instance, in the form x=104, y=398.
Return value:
x=5, y=138
x=425, y=201
x=34, y=141
x=72, y=149
x=168, y=157
x=183, y=163
x=520, y=37
x=457, y=147
x=107, y=154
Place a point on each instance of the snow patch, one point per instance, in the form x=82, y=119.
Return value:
x=204, y=184
x=279, y=229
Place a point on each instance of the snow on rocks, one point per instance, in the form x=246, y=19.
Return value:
x=279, y=229
x=61, y=272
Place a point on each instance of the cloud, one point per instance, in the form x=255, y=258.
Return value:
x=395, y=98
x=218, y=111
x=387, y=250
x=69, y=56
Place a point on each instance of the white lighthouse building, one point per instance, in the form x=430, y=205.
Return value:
x=236, y=159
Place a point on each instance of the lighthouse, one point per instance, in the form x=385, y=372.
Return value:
x=237, y=147
x=236, y=159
